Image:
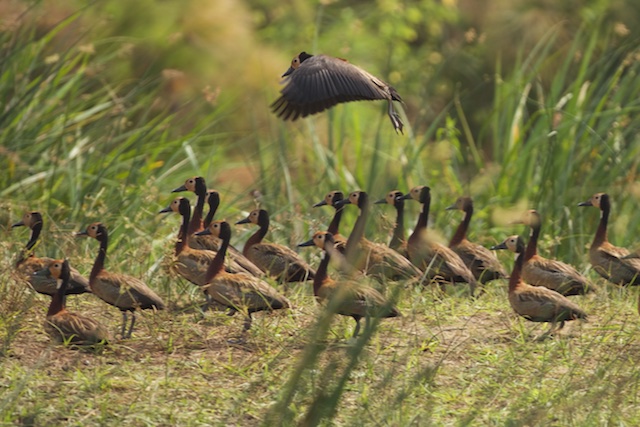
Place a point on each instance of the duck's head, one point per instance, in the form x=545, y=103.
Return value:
x=320, y=239
x=219, y=228
x=330, y=199
x=598, y=200
x=296, y=61
x=393, y=198
x=97, y=230
x=29, y=219
x=462, y=204
x=513, y=243
x=179, y=205
x=420, y=193
x=256, y=216
x=195, y=184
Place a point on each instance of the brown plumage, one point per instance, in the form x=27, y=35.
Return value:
x=315, y=83
x=28, y=263
x=438, y=261
x=481, y=261
x=276, y=260
x=348, y=298
x=120, y=290
x=398, y=240
x=374, y=259
x=240, y=292
x=331, y=199
x=536, y=303
x=552, y=274
x=192, y=264
x=64, y=326
x=610, y=262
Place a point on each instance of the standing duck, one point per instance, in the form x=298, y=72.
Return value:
x=276, y=260
x=198, y=186
x=62, y=325
x=28, y=263
x=438, y=261
x=120, y=290
x=192, y=264
x=536, y=303
x=332, y=198
x=374, y=258
x=611, y=262
x=398, y=240
x=481, y=261
x=317, y=82
x=240, y=292
x=552, y=274
x=354, y=299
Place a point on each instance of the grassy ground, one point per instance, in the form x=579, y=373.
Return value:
x=448, y=360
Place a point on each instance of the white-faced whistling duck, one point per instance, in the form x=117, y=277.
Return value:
x=609, y=261
x=351, y=298
x=374, y=258
x=120, y=290
x=198, y=186
x=552, y=274
x=331, y=199
x=62, y=325
x=192, y=264
x=438, y=261
x=28, y=263
x=398, y=240
x=317, y=82
x=481, y=261
x=276, y=260
x=240, y=292
x=536, y=303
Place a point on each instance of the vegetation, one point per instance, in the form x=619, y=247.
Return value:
x=106, y=109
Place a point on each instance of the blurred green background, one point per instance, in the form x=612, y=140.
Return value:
x=108, y=105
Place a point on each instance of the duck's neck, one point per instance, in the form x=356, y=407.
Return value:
x=421, y=226
x=601, y=232
x=217, y=264
x=35, y=235
x=98, y=264
x=196, y=219
x=532, y=245
x=398, y=231
x=212, y=212
x=183, y=236
x=356, y=234
x=258, y=235
x=58, y=301
x=461, y=231
x=321, y=272
x=516, y=274
x=335, y=222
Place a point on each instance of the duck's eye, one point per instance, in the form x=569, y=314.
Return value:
x=56, y=265
x=93, y=227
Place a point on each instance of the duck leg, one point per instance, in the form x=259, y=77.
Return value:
x=357, y=329
x=124, y=324
x=248, y=321
x=395, y=118
x=133, y=321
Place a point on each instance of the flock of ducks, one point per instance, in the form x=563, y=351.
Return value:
x=236, y=280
